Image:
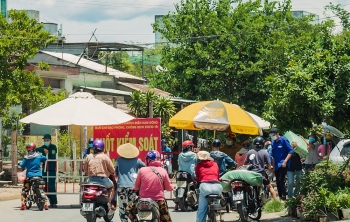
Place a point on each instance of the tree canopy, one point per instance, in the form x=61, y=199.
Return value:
x=259, y=56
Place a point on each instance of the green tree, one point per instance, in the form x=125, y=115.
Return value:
x=20, y=40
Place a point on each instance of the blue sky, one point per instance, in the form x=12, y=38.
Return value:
x=121, y=20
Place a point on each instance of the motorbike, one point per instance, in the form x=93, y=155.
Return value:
x=167, y=165
x=147, y=210
x=217, y=203
x=36, y=193
x=247, y=198
x=186, y=195
x=95, y=202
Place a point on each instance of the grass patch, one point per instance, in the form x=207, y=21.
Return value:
x=273, y=206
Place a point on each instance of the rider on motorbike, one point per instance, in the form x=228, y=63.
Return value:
x=221, y=158
x=98, y=166
x=151, y=181
x=261, y=158
x=31, y=162
x=187, y=160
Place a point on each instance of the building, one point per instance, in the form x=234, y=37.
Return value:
x=296, y=14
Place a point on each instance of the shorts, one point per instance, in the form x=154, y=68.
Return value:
x=102, y=180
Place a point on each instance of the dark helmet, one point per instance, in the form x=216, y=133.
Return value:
x=187, y=144
x=216, y=143
x=30, y=146
x=91, y=140
x=259, y=142
x=163, y=141
x=99, y=145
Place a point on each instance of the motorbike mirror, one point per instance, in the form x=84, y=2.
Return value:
x=252, y=156
x=320, y=154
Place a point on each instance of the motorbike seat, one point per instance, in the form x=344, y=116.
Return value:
x=213, y=196
x=36, y=178
x=94, y=184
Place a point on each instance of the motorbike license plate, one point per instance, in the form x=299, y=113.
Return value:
x=145, y=215
x=181, y=183
x=216, y=201
x=237, y=196
x=87, y=207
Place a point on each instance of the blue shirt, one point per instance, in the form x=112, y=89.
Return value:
x=32, y=163
x=280, y=150
x=187, y=161
x=222, y=159
x=127, y=169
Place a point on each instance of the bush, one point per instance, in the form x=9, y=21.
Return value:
x=273, y=206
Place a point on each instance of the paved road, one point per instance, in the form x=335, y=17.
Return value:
x=9, y=211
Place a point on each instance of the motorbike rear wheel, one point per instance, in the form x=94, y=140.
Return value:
x=28, y=203
x=108, y=218
x=213, y=215
x=183, y=204
x=242, y=209
x=41, y=205
x=91, y=217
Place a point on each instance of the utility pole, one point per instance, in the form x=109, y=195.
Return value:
x=0, y=145
x=150, y=109
x=106, y=61
x=14, y=157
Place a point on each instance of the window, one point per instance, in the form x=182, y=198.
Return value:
x=346, y=150
x=54, y=83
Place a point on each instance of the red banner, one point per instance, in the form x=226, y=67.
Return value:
x=144, y=133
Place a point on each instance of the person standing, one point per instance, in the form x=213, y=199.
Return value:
x=207, y=174
x=281, y=153
x=50, y=169
x=311, y=158
x=242, y=154
x=294, y=171
x=127, y=166
x=230, y=147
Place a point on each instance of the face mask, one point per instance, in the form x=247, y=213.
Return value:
x=274, y=137
x=47, y=144
x=311, y=140
x=228, y=143
x=91, y=145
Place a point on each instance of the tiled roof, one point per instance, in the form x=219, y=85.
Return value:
x=92, y=65
x=145, y=88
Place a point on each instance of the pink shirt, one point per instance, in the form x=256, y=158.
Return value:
x=150, y=185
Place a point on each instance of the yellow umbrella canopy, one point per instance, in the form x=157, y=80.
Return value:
x=215, y=115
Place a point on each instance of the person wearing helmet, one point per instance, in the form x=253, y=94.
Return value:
x=151, y=182
x=187, y=160
x=221, y=158
x=165, y=156
x=127, y=166
x=261, y=158
x=31, y=162
x=268, y=148
x=50, y=168
x=98, y=167
x=230, y=147
x=88, y=148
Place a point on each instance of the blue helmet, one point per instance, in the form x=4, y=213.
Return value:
x=99, y=145
x=151, y=155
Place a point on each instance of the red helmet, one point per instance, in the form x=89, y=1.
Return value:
x=30, y=146
x=267, y=143
x=187, y=144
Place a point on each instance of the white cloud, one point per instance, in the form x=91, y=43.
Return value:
x=122, y=20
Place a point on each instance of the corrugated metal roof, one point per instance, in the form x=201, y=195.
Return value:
x=145, y=88
x=91, y=65
x=183, y=100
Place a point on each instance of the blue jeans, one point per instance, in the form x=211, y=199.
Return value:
x=102, y=180
x=204, y=190
x=293, y=180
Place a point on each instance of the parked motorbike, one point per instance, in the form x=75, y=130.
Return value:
x=186, y=194
x=147, y=210
x=95, y=202
x=36, y=193
x=247, y=198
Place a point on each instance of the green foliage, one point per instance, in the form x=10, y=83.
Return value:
x=273, y=206
x=20, y=41
x=64, y=143
x=162, y=107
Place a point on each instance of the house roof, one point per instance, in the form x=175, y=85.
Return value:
x=145, y=88
x=73, y=59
